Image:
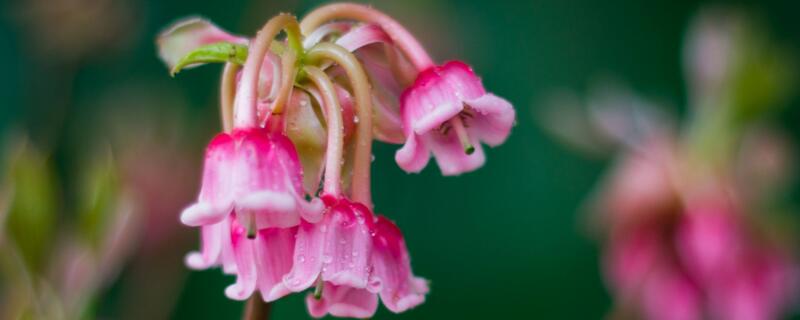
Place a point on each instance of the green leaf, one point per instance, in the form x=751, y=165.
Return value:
x=212, y=53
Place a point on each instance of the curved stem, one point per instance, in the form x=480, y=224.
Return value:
x=333, y=155
x=245, y=104
x=358, y=79
x=400, y=36
x=288, y=72
x=227, y=94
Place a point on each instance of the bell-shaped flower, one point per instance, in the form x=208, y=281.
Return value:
x=353, y=257
x=400, y=289
x=335, y=250
x=261, y=262
x=256, y=174
x=449, y=113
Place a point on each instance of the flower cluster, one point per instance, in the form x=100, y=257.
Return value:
x=300, y=112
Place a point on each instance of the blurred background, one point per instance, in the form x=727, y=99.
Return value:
x=101, y=149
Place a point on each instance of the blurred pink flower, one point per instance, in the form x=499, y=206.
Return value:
x=448, y=112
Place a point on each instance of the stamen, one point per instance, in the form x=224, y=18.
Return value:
x=318, y=288
x=251, y=226
x=461, y=132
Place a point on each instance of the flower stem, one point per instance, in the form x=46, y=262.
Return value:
x=333, y=155
x=246, y=98
x=400, y=36
x=256, y=308
x=288, y=73
x=227, y=94
x=461, y=133
x=362, y=91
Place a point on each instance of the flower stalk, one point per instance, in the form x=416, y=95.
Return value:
x=245, y=106
x=333, y=155
x=360, y=83
x=403, y=39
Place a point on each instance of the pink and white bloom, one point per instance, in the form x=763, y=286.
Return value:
x=337, y=251
x=356, y=257
x=447, y=112
x=400, y=290
x=256, y=174
x=262, y=262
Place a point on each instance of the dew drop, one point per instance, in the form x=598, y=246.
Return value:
x=355, y=119
x=327, y=259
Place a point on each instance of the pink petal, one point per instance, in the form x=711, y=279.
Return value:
x=212, y=237
x=274, y=251
x=307, y=257
x=188, y=34
x=348, y=244
x=216, y=198
x=414, y=155
x=462, y=79
x=343, y=301
x=493, y=118
x=363, y=36
x=400, y=289
x=450, y=155
x=244, y=252
x=429, y=102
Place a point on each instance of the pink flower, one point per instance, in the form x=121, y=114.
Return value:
x=400, y=289
x=447, y=111
x=355, y=257
x=262, y=262
x=256, y=174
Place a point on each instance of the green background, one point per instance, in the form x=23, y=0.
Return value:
x=505, y=241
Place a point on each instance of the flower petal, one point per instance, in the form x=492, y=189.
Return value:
x=212, y=236
x=414, y=155
x=450, y=155
x=348, y=244
x=493, y=119
x=246, y=276
x=363, y=36
x=343, y=301
x=274, y=252
x=307, y=257
x=429, y=102
x=400, y=289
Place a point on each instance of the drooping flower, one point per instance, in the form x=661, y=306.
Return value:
x=447, y=112
x=354, y=257
x=400, y=289
x=256, y=174
x=261, y=262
